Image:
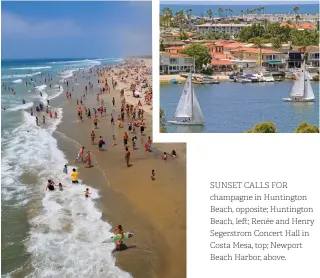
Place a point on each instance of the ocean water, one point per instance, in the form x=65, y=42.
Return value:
x=231, y=107
x=268, y=9
x=46, y=234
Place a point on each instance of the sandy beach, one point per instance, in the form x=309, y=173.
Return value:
x=155, y=210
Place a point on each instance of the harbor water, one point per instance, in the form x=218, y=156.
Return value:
x=231, y=107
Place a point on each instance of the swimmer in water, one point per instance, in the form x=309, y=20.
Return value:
x=61, y=186
x=50, y=185
x=65, y=169
x=87, y=193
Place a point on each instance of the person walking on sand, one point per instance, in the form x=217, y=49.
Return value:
x=100, y=144
x=112, y=119
x=114, y=140
x=95, y=122
x=88, y=160
x=80, y=155
x=147, y=146
x=93, y=136
x=113, y=102
x=153, y=175
x=127, y=156
x=125, y=139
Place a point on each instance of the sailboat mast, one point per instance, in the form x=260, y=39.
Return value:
x=191, y=98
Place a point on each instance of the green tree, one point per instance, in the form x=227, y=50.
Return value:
x=264, y=127
x=162, y=48
x=276, y=42
x=241, y=12
x=200, y=53
x=220, y=12
x=306, y=128
x=162, y=121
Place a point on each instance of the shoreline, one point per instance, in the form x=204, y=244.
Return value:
x=129, y=197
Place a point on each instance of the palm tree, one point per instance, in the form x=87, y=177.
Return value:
x=209, y=13
x=220, y=12
x=295, y=10
x=258, y=44
x=180, y=18
x=189, y=11
x=230, y=12
x=241, y=12
x=202, y=16
x=298, y=17
x=168, y=15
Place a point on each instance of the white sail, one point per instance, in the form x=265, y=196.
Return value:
x=184, y=108
x=298, y=87
x=308, y=89
x=197, y=112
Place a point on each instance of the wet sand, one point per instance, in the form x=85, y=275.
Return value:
x=154, y=210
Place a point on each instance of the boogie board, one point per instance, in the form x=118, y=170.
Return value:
x=115, y=238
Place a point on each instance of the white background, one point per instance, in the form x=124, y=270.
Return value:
x=251, y=157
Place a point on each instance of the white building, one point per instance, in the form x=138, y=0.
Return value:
x=221, y=28
x=171, y=63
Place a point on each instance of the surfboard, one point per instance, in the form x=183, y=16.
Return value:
x=115, y=238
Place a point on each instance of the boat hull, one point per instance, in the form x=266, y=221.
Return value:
x=185, y=123
x=301, y=100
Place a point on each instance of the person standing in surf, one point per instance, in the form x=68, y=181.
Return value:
x=119, y=231
x=74, y=176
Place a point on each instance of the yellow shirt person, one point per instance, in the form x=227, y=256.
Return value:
x=74, y=176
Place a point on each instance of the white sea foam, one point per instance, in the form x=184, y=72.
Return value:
x=20, y=75
x=56, y=92
x=21, y=107
x=32, y=68
x=67, y=74
x=41, y=87
x=17, y=81
x=67, y=231
x=86, y=61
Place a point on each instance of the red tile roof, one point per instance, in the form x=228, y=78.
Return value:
x=174, y=54
x=255, y=50
x=300, y=25
x=218, y=55
x=220, y=62
x=174, y=48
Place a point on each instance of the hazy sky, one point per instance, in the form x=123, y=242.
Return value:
x=76, y=29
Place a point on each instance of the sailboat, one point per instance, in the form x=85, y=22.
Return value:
x=188, y=108
x=301, y=90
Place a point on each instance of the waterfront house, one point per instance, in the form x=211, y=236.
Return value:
x=220, y=28
x=174, y=49
x=313, y=55
x=270, y=59
x=171, y=63
x=294, y=58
